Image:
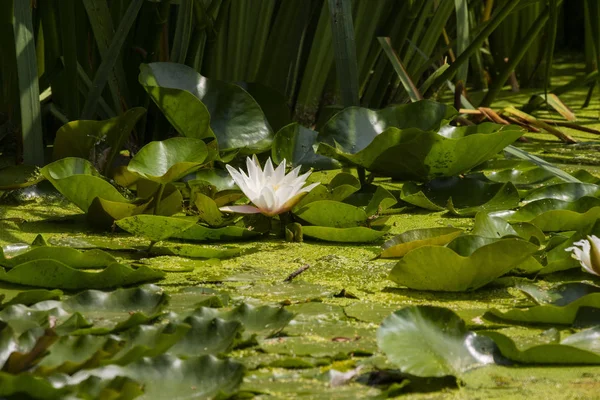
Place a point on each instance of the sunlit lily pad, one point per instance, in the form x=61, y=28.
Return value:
x=566, y=191
x=578, y=349
x=478, y=262
x=195, y=251
x=71, y=257
x=19, y=176
x=332, y=214
x=156, y=227
x=551, y=215
x=431, y=341
x=409, y=240
x=192, y=102
x=411, y=142
x=169, y=160
x=358, y=234
x=464, y=197
x=548, y=313
x=55, y=274
x=200, y=233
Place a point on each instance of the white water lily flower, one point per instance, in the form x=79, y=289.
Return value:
x=588, y=255
x=271, y=191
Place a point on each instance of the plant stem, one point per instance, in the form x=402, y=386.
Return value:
x=159, y=194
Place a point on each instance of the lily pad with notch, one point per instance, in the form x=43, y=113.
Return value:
x=468, y=263
x=399, y=245
x=429, y=341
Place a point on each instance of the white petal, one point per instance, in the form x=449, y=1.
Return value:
x=582, y=255
x=279, y=172
x=269, y=171
x=240, y=209
x=308, y=188
x=269, y=202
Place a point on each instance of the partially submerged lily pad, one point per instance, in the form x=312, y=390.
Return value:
x=409, y=240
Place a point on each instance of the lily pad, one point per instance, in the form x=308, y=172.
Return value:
x=566, y=191
x=411, y=153
x=191, y=102
x=19, y=176
x=409, y=240
x=294, y=143
x=78, y=138
x=208, y=336
x=444, y=269
x=169, y=377
x=560, y=295
x=332, y=214
x=71, y=257
x=200, y=233
x=194, y=251
x=155, y=227
x=169, y=160
x=547, y=313
x=219, y=178
x=359, y=234
x=431, y=341
x=551, y=215
x=464, y=197
x=55, y=274
x=577, y=349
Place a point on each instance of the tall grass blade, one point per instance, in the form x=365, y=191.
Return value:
x=68, y=24
x=344, y=48
x=519, y=50
x=491, y=25
x=462, y=35
x=183, y=31
x=550, y=42
x=408, y=84
x=29, y=93
x=108, y=63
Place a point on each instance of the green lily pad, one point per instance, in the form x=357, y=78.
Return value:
x=71, y=257
x=55, y=274
x=415, y=151
x=479, y=262
x=208, y=211
x=566, y=191
x=558, y=259
x=294, y=143
x=169, y=377
x=169, y=160
x=577, y=349
x=431, y=341
x=339, y=188
x=78, y=138
x=399, y=245
x=219, y=178
x=156, y=227
x=551, y=215
x=547, y=313
x=171, y=200
x=200, y=233
x=524, y=173
x=195, y=251
x=332, y=214
x=19, y=176
x=359, y=234
x=263, y=321
x=103, y=213
x=382, y=200
x=464, y=197
x=559, y=295
x=191, y=102
x=208, y=336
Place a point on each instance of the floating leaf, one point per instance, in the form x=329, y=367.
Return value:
x=566, y=191
x=382, y=200
x=443, y=269
x=208, y=336
x=71, y=257
x=551, y=215
x=359, y=234
x=411, y=153
x=169, y=160
x=168, y=377
x=194, y=251
x=577, y=349
x=548, y=313
x=560, y=295
x=409, y=240
x=19, y=176
x=294, y=143
x=208, y=211
x=431, y=342
x=155, y=227
x=54, y=274
x=464, y=197
x=190, y=102
x=219, y=178
x=201, y=233
x=78, y=138
x=332, y=214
